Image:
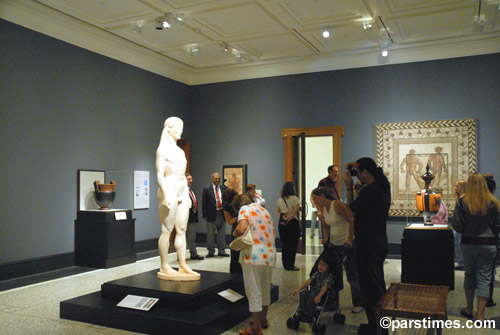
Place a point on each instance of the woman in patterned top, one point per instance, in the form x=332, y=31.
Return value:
x=257, y=261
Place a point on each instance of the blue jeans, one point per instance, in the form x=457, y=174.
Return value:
x=306, y=304
x=315, y=223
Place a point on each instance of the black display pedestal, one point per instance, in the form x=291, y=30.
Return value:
x=427, y=255
x=184, y=307
x=102, y=241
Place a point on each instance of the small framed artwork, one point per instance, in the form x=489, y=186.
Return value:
x=235, y=177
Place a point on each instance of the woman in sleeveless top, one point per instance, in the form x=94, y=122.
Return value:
x=338, y=233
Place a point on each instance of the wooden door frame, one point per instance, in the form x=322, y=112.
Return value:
x=287, y=134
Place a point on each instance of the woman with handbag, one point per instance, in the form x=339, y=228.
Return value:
x=287, y=208
x=476, y=217
x=257, y=260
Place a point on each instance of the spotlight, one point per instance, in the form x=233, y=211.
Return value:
x=193, y=49
x=138, y=27
x=237, y=57
x=367, y=24
x=384, y=52
x=326, y=33
x=159, y=23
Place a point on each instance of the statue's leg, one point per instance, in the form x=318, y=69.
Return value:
x=164, y=240
x=181, y=222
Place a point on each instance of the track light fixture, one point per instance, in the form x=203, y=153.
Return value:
x=385, y=51
x=166, y=21
x=193, y=49
x=138, y=27
x=368, y=24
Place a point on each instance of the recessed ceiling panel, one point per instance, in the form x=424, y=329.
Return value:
x=428, y=27
x=102, y=12
x=245, y=20
x=283, y=45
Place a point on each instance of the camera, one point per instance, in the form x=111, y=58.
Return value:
x=353, y=170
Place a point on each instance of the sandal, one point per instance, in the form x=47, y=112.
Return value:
x=249, y=331
x=467, y=315
x=264, y=324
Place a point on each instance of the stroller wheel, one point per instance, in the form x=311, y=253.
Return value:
x=322, y=330
x=292, y=323
x=339, y=318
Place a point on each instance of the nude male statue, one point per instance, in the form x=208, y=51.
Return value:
x=438, y=165
x=413, y=168
x=173, y=201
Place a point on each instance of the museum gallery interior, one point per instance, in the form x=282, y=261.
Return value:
x=85, y=89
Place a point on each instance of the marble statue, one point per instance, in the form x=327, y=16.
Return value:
x=173, y=201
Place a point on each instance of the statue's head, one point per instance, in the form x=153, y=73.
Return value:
x=174, y=125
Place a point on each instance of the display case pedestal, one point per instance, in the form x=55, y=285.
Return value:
x=102, y=240
x=427, y=255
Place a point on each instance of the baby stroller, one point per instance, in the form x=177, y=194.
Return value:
x=330, y=301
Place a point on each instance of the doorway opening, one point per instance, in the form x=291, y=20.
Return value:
x=298, y=142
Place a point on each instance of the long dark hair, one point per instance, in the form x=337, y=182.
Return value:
x=321, y=190
x=366, y=163
x=228, y=196
x=288, y=189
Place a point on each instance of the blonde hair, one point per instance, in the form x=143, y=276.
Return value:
x=461, y=189
x=477, y=198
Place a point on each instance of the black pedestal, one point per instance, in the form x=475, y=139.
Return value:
x=427, y=256
x=183, y=308
x=101, y=241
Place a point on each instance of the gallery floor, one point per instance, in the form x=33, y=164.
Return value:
x=34, y=309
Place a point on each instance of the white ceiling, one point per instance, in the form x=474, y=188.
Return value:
x=274, y=37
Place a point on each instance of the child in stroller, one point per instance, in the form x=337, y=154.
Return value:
x=324, y=283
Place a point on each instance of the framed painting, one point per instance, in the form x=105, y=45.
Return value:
x=406, y=149
x=235, y=177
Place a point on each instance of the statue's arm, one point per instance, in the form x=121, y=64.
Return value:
x=161, y=163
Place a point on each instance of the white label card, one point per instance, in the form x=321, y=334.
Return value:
x=137, y=302
x=120, y=216
x=230, y=295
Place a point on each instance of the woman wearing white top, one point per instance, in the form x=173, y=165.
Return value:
x=287, y=208
x=338, y=231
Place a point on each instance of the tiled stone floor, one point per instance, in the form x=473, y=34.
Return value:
x=34, y=309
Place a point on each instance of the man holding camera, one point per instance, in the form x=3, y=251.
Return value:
x=370, y=209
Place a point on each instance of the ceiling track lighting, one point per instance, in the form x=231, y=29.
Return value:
x=368, y=24
x=326, y=31
x=237, y=54
x=193, y=49
x=166, y=21
x=138, y=27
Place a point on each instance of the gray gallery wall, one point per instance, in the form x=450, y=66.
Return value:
x=64, y=108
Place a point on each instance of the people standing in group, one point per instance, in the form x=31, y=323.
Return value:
x=212, y=213
x=371, y=210
x=192, y=221
x=257, y=261
x=476, y=217
x=339, y=232
x=492, y=186
x=256, y=197
x=231, y=216
x=287, y=209
x=459, y=260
